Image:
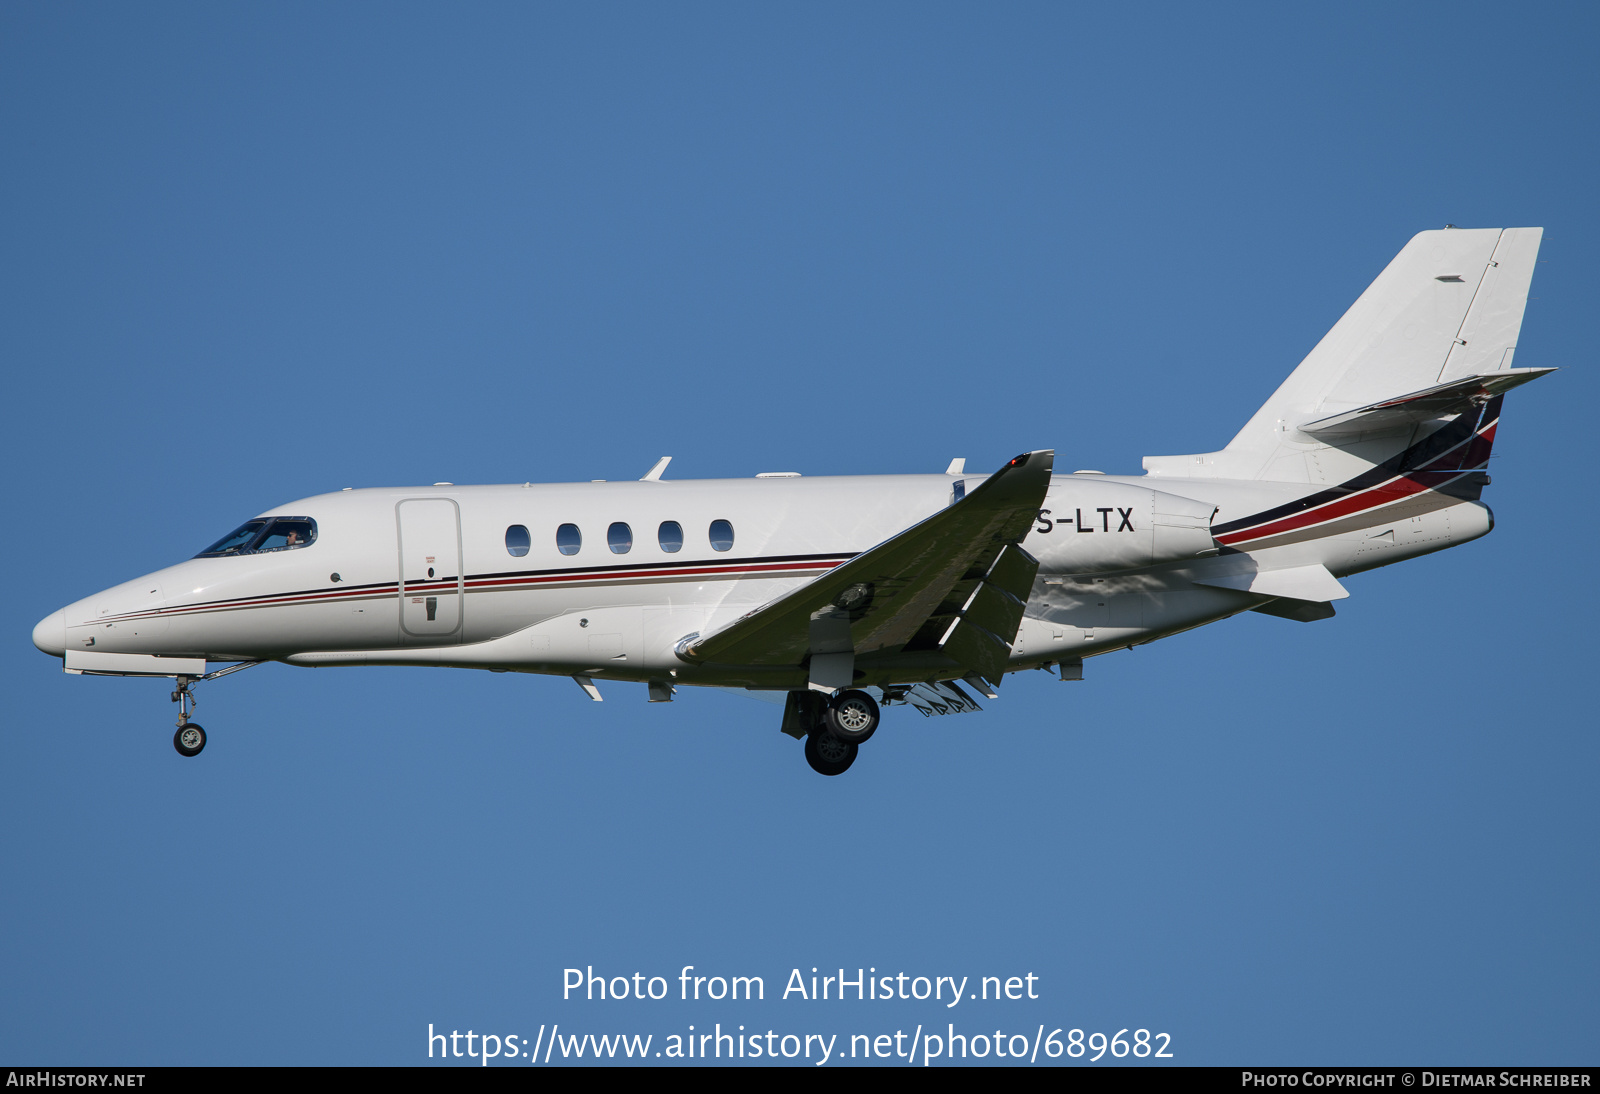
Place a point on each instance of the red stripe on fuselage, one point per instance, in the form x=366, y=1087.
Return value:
x=611, y=575
x=618, y=576
x=1398, y=488
x=1383, y=494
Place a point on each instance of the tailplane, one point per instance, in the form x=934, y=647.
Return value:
x=1411, y=377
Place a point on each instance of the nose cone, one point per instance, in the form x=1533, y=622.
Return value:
x=51, y=634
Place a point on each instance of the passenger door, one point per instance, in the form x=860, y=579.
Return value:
x=431, y=581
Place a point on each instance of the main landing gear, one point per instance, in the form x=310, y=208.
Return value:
x=852, y=716
x=846, y=720
x=828, y=755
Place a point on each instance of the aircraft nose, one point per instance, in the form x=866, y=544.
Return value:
x=50, y=635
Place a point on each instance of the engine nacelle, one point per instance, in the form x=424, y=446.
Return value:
x=1091, y=526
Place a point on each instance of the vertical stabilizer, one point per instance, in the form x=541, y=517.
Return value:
x=1449, y=306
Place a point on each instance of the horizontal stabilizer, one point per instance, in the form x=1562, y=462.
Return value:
x=1405, y=411
x=1313, y=583
x=1301, y=611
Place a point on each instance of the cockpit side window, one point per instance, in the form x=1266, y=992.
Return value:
x=287, y=532
x=271, y=534
x=236, y=542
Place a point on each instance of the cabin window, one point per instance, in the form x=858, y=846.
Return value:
x=568, y=539
x=270, y=534
x=721, y=535
x=619, y=537
x=518, y=541
x=670, y=536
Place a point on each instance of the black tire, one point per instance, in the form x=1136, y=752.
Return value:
x=828, y=755
x=190, y=739
x=852, y=716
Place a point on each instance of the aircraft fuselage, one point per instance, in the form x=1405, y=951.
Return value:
x=426, y=576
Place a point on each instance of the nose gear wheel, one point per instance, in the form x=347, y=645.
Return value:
x=189, y=739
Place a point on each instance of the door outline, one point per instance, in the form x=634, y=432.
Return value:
x=400, y=543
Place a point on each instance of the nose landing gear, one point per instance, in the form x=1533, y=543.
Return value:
x=190, y=738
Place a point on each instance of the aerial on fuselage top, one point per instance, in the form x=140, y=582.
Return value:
x=844, y=595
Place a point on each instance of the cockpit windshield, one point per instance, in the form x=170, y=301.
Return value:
x=236, y=542
x=271, y=534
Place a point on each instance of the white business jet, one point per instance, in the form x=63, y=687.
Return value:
x=842, y=595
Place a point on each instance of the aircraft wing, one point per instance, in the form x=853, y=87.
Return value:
x=955, y=582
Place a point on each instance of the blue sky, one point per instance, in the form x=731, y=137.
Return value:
x=259, y=252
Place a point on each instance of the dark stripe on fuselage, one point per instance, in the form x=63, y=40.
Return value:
x=1421, y=466
x=776, y=565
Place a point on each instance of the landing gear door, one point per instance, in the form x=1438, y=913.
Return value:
x=431, y=585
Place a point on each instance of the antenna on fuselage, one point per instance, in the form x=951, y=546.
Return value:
x=654, y=474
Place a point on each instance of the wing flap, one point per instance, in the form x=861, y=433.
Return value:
x=981, y=637
x=995, y=610
x=979, y=648
x=941, y=698
x=1014, y=572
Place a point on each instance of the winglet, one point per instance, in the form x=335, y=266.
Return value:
x=654, y=474
x=958, y=466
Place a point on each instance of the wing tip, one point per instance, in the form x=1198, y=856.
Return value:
x=1047, y=455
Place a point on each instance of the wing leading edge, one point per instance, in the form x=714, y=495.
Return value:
x=949, y=590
